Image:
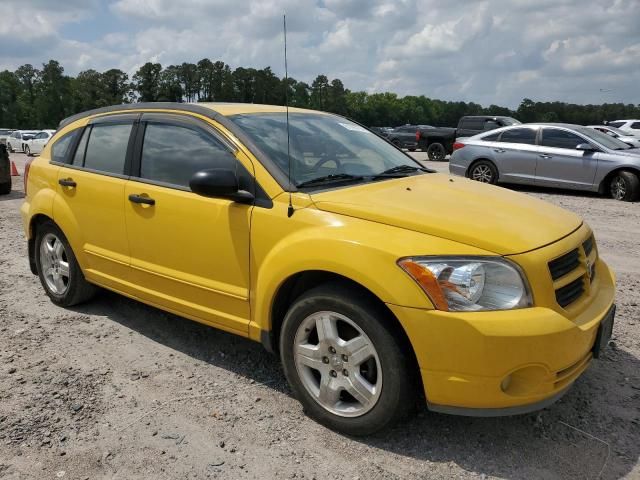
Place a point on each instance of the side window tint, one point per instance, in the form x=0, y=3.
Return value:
x=635, y=125
x=60, y=149
x=173, y=154
x=78, y=158
x=491, y=125
x=525, y=136
x=492, y=137
x=560, y=139
x=107, y=147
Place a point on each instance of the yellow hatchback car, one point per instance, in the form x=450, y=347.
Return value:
x=376, y=280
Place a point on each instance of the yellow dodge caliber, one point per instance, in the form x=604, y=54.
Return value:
x=376, y=280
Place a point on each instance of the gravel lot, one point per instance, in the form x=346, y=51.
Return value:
x=116, y=389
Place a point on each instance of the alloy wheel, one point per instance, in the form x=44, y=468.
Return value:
x=337, y=364
x=618, y=188
x=54, y=263
x=482, y=173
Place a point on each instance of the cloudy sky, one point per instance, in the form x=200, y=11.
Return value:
x=498, y=51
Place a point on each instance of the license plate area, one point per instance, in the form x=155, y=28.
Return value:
x=605, y=329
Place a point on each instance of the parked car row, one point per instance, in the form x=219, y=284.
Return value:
x=553, y=155
x=25, y=141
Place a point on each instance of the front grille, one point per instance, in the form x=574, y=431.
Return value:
x=564, y=264
x=588, y=246
x=570, y=292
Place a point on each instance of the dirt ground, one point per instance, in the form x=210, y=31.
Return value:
x=116, y=389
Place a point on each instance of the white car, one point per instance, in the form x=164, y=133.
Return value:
x=17, y=140
x=619, y=134
x=4, y=134
x=37, y=143
x=631, y=127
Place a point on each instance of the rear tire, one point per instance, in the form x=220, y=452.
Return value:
x=436, y=152
x=484, y=171
x=27, y=150
x=343, y=361
x=58, y=269
x=624, y=186
x=9, y=148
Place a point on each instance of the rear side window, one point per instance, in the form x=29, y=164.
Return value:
x=60, y=149
x=107, y=147
x=492, y=137
x=491, y=125
x=525, y=136
x=173, y=153
x=472, y=123
x=616, y=124
x=552, y=137
x=635, y=125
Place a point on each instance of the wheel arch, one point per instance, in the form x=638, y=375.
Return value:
x=299, y=283
x=481, y=159
x=603, y=187
x=37, y=220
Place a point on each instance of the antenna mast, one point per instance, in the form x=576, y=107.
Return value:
x=286, y=104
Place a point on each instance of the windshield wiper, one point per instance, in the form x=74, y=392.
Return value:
x=327, y=179
x=400, y=169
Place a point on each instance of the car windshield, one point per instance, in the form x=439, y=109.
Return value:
x=616, y=124
x=508, y=121
x=324, y=147
x=603, y=139
x=617, y=131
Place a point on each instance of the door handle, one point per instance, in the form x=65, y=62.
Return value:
x=135, y=198
x=544, y=155
x=67, y=182
x=499, y=150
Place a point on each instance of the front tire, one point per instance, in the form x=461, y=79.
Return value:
x=58, y=269
x=436, y=152
x=343, y=361
x=27, y=150
x=10, y=148
x=625, y=186
x=484, y=172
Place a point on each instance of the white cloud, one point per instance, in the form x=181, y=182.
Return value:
x=488, y=52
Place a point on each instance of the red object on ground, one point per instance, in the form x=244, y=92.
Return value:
x=14, y=169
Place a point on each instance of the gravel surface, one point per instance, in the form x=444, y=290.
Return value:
x=117, y=389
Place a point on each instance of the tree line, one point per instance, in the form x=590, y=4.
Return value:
x=40, y=98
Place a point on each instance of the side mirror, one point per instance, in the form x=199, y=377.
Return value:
x=219, y=183
x=586, y=147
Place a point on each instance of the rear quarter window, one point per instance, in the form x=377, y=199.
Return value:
x=61, y=148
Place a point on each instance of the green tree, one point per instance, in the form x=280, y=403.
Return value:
x=146, y=82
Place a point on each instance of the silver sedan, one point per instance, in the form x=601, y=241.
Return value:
x=551, y=155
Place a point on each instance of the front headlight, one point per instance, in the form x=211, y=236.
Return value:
x=469, y=283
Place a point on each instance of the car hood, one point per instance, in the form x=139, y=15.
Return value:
x=491, y=218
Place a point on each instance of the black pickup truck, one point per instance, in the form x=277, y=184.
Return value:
x=438, y=141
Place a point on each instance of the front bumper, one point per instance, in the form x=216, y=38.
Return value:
x=505, y=362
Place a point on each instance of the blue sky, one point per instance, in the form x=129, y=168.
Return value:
x=490, y=52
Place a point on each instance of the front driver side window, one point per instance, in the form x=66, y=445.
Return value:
x=172, y=154
x=552, y=137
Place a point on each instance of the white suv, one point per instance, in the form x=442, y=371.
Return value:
x=631, y=127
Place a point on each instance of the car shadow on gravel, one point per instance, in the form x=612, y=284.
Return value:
x=13, y=195
x=553, y=191
x=592, y=432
